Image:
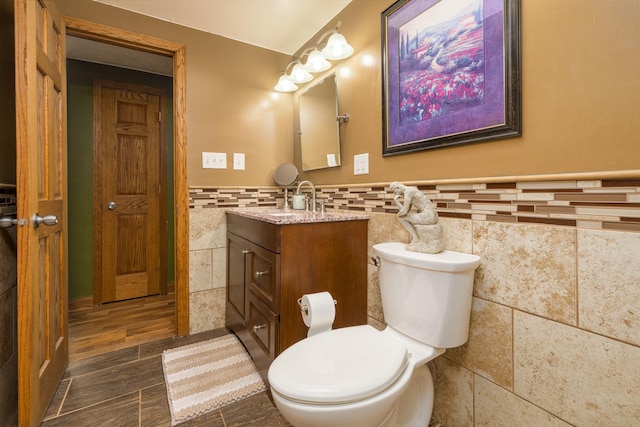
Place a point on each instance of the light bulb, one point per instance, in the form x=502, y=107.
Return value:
x=299, y=74
x=316, y=62
x=337, y=47
x=285, y=85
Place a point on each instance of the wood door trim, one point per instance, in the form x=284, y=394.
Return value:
x=98, y=32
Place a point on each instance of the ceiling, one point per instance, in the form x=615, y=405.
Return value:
x=278, y=25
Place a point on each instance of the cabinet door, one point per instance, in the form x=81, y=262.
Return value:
x=237, y=251
x=264, y=276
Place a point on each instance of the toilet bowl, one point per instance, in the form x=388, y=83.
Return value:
x=348, y=377
x=358, y=376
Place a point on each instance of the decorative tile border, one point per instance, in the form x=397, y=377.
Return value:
x=611, y=204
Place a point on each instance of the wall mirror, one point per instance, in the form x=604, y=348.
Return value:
x=319, y=126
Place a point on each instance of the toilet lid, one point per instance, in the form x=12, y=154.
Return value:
x=339, y=366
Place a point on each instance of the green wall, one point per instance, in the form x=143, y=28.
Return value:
x=80, y=77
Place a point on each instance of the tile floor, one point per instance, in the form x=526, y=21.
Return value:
x=126, y=388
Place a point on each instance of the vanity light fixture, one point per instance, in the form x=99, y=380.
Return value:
x=299, y=74
x=285, y=85
x=316, y=62
x=335, y=48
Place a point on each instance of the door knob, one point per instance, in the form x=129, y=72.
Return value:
x=46, y=220
x=111, y=206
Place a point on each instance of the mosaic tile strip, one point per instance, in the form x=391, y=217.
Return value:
x=597, y=204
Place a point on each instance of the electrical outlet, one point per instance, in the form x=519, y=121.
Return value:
x=361, y=164
x=238, y=161
x=214, y=160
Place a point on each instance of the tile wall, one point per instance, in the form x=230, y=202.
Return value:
x=8, y=309
x=554, y=337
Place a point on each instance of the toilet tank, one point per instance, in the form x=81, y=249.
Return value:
x=426, y=296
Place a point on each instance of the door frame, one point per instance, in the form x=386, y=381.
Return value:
x=110, y=35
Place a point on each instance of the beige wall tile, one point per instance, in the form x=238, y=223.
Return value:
x=581, y=377
x=219, y=274
x=457, y=234
x=374, y=302
x=529, y=267
x=453, y=402
x=207, y=269
x=609, y=283
x=207, y=228
x=495, y=406
x=385, y=228
x=488, y=351
x=206, y=310
x=200, y=270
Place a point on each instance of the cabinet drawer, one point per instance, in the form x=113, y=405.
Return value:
x=261, y=233
x=263, y=326
x=264, y=271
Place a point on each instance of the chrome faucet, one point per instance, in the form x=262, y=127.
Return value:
x=313, y=193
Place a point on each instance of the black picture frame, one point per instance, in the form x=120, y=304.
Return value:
x=450, y=73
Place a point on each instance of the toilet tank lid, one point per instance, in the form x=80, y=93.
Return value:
x=340, y=366
x=443, y=261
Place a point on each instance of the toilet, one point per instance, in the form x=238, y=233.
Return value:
x=360, y=377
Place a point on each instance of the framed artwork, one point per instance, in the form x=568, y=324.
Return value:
x=450, y=73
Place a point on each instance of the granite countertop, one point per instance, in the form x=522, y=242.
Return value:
x=291, y=216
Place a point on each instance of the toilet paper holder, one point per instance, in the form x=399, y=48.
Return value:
x=305, y=309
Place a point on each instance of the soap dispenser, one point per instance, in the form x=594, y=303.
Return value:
x=299, y=201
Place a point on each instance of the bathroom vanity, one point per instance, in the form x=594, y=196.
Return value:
x=275, y=257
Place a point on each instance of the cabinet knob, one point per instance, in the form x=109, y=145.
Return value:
x=246, y=251
x=261, y=273
x=256, y=328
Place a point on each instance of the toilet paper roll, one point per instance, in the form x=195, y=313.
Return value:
x=320, y=312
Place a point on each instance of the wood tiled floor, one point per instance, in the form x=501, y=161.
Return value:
x=114, y=326
x=126, y=388
x=115, y=373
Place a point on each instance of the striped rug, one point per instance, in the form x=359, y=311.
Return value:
x=205, y=376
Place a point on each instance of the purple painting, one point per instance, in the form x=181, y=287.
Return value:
x=445, y=73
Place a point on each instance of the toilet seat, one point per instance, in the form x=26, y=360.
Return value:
x=339, y=366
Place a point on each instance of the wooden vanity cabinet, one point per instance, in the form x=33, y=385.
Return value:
x=270, y=266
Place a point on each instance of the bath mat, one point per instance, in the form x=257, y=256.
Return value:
x=208, y=375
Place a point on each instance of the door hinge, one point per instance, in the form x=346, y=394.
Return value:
x=159, y=116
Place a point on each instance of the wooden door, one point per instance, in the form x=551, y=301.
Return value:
x=129, y=205
x=41, y=187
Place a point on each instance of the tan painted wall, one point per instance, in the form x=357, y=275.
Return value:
x=581, y=65
x=229, y=96
x=580, y=61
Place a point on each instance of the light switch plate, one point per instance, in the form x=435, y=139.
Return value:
x=238, y=161
x=361, y=164
x=214, y=160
